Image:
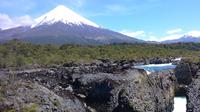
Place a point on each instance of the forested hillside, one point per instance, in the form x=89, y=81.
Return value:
x=16, y=53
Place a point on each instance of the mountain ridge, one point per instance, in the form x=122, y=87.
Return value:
x=184, y=39
x=63, y=26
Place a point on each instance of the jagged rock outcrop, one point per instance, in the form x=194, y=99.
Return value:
x=103, y=87
x=186, y=71
x=193, y=95
x=153, y=94
x=160, y=60
x=188, y=77
x=193, y=87
x=25, y=96
x=183, y=73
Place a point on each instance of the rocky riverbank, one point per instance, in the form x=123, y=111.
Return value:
x=191, y=75
x=188, y=81
x=97, y=87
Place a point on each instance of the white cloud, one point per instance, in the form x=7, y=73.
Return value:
x=171, y=37
x=174, y=31
x=150, y=36
x=136, y=34
x=153, y=38
x=194, y=33
x=7, y=22
x=24, y=20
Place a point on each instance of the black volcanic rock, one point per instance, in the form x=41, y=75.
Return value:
x=148, y=97
x=160, y=60
x=24, y=96
x=183, y=73
x=108, y=87
x=188, y=76
x=193, y=93
x=186, y=71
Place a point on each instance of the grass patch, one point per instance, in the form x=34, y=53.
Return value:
x=31, y=108
x=56, y=103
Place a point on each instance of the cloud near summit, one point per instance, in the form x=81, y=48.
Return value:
x=8, y=22
x=137, y=34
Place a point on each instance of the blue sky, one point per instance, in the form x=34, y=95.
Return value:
x=144, y=19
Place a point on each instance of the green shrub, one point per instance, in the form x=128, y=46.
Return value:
x=18, y=54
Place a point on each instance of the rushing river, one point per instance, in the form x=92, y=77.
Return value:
x=179, y=102
x=156, y=67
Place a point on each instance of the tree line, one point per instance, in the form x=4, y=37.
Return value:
x=17, y=53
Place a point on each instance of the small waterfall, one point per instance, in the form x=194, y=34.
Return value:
x=180, y=104
x=180, y=101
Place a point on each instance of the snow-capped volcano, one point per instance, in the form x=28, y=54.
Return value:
x=63, y=26
x=64, y=15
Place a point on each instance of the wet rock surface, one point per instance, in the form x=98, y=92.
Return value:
x=153, y=94
x=188, y=76
x=105, y=86
x=193, y=95
x=185, y=71
x=193, y=89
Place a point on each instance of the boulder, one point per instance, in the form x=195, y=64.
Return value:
x=128, y=91
x=185, y=71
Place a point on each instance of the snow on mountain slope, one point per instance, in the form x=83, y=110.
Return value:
x=64, y=15
x=63, y=26
x=192, y=36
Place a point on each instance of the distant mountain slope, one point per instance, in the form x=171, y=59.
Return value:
x=61, y=25
x=12, y=33
x=184, y=39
